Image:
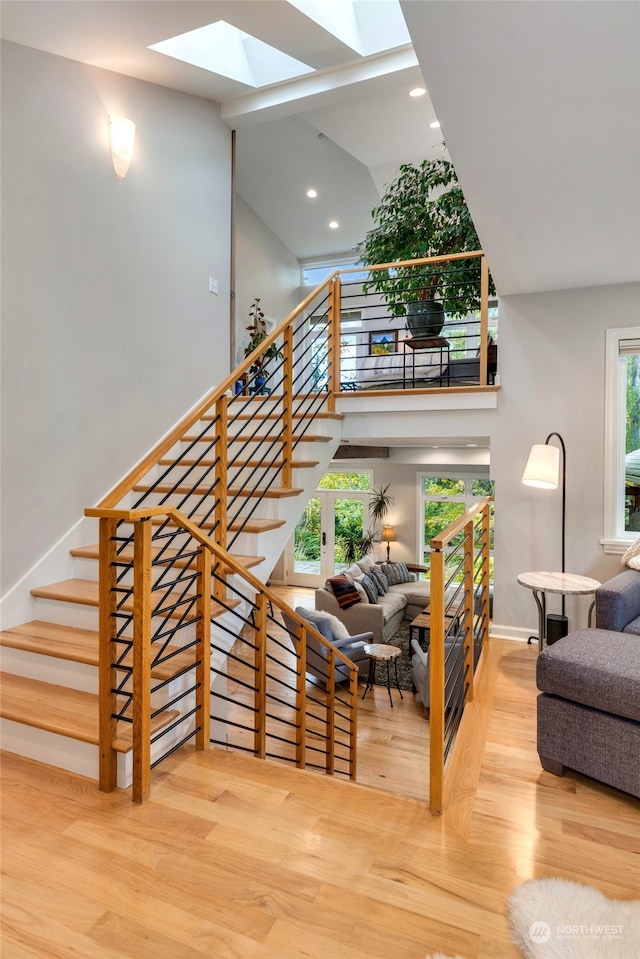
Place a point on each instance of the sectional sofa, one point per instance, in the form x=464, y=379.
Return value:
x=405, y=597
x=589, y=682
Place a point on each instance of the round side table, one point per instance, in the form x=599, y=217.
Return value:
x=382, y=653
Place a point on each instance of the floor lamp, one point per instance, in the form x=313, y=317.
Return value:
x=543, y=470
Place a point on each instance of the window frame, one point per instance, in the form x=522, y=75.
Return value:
x=615, y=538
x=467, y=498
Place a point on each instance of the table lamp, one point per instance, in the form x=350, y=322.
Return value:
x=388, y=536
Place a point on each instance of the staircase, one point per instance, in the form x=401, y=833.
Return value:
x=246, y=495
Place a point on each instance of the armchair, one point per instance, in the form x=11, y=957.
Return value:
x=329, y=627
x=454, y=671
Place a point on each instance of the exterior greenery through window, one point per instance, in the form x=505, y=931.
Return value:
x=350, y=514
x=445, y=499
x=622, y=439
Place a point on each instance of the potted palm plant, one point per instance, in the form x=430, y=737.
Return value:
x=423, y=213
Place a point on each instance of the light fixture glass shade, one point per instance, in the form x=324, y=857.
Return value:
x=388, y=534
x=122, y=135
x=543, y=467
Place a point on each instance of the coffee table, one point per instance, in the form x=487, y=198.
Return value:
x=422, y=623
x=566, y=584
x=382, y=653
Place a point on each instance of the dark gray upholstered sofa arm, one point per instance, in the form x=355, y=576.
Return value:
x=618, y=601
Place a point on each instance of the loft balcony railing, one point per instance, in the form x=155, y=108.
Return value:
x=191, y=644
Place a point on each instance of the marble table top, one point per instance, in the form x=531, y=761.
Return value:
x=568, y=584
x=381, y=651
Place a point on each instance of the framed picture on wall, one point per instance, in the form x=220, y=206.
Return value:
x=380, y=344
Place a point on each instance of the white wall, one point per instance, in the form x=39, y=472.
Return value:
x=109, y=332
x=265, y=268
x=551, y=362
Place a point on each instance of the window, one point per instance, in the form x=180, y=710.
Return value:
x=622, y=439
x=445, y=499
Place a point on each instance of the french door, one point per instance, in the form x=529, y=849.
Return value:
x=327, y=536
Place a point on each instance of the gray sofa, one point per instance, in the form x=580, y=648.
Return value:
x=589, y=682
x=382, y=618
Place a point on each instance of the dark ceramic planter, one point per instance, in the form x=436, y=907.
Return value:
x=425, y=317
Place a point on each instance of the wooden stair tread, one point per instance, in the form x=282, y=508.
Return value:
x=84, y=592
x=260, y=438
x=251, y=526
x=92, y=552
x=81, y=646
x=244, y=464
x=271, y=492
x=58, y=709
x=256, y=415
x=51, y=639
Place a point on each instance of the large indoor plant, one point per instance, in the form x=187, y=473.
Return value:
x=423, y=213
x=257, y=330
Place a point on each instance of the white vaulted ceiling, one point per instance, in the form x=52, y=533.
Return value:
x=539, y=105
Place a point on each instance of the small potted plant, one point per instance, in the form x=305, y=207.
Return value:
x=257, y=330
x=423, y=213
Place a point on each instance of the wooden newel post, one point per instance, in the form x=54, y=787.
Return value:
x=301, y=696
x=469, y=631
x=334, y=343
x=203, y=650
x=436, y=682
x=107, y=682
x=142, y=609
x=287, y=407
x=260, y=732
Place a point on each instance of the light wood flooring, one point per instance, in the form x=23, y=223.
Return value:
x=237, y=858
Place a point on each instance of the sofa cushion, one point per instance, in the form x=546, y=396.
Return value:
x=368, y=583
x=391, y=603
x=380, y=580
x=396, y=573
x=337, y=628
x=344, y=591
x=595, y=667
x=618, y=601
x=633, y=627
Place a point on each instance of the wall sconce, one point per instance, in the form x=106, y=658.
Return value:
x=543, y=471
x=122, y=135
x=388, y=536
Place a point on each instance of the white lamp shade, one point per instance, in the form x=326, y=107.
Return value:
x=543, y=467
x=122, y=135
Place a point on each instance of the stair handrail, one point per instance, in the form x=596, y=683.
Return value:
x=142, y=638
x=125, y=485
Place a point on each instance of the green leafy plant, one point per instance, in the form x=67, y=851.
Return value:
x=257, y=330
x=423, y=213
x=380, y=502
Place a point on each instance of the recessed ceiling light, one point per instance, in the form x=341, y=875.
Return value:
x=312, y=194
x=333, y=225
x=471, y=444
x=417, y=92
x=435, y=125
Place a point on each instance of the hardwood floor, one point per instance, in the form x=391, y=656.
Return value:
x=237, y=858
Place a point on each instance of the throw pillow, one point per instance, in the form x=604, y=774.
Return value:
x=396, y=573
x=370, y=588
x=315, y=619
x=631, y=557
x=363, y=596
x=366, y=564
x=381, y=580
x=337, y=627
x=344, y=591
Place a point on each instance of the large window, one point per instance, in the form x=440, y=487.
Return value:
x=622, y=439
x=443, y=500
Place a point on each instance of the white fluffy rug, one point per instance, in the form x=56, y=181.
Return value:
x=557, y=919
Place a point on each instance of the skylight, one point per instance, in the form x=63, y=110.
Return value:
x=367, y=26
x=223, y=49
